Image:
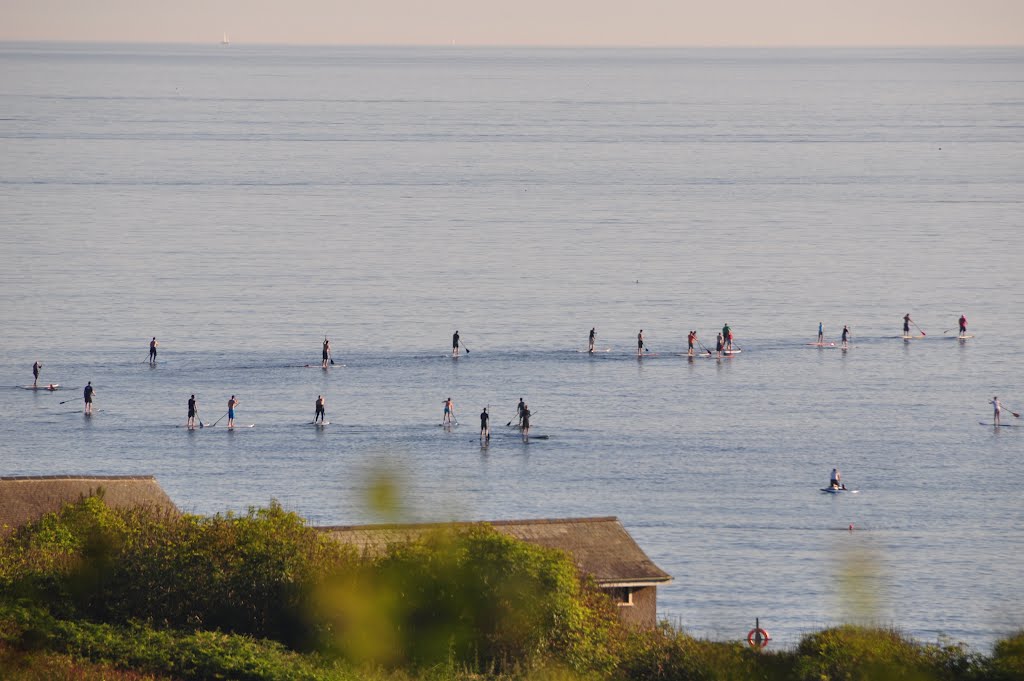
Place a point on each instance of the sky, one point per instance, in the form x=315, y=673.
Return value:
x=522, y=22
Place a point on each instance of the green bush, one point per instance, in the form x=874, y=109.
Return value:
x=252, y=574
x=669, y=654
x=1008, y=658
x=851, y=653
x=472, y=596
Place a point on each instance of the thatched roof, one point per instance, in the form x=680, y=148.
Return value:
x=601, y=547
x=25, y=499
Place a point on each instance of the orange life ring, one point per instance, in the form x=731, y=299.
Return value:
x=758, y=638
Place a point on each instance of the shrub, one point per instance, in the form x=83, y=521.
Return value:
x=472, y=596
x=1008, y=658
x=669, y=654
x=851, y=653
x=251, y=574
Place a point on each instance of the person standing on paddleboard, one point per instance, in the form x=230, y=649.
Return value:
x=963, y=326
x=455, y=343
x=640, y=343
x=906, y=325
x=719, y=342
x=325, y=355
x=520, y=408
x=152, y=350
x=485, y=425
x=191, y=422
x=526, y=422
x=320, y=412
x=232, y=403
x=846, y=336
x=726, y=337
x=821, y=334
x=690, y=338
x=449, y=412
x=997, y=410
x=87, y=397
x=590, y=341
x=834, y=479
x=35, y=373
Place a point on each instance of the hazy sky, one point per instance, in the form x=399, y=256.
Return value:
x=522, y=22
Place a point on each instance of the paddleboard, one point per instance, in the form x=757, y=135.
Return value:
x=596, y=350
x=831, y=490
x=963, y=338
x=244, y=425
x=49, y=386
x=321, y=425
x=906, y=338
x=998, y=425
x=822, y=345
x=727, y=353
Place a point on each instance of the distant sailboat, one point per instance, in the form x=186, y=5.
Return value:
x=224, y=40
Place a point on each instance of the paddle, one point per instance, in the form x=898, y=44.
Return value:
x=702, y=346
x=1015, y=414
x=464, y=347
x=918, y=328
x=218, y=420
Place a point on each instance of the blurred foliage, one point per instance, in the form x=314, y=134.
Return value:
x=265, y=597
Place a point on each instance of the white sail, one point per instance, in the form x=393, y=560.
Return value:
x=224, y=40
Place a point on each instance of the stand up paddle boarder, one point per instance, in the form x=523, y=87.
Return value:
x=520, y=408
x=727, y=337
x=455, y=343
x=590, y=341
x=963, y=325
x=325, y=356
x=846, y=336
x=35, y=373
x=320, y=413
x=690, y=338
x=232, y=403
x=449, y=412
x=834, y=479
x=906, y=325
x=821, y=334
x=719, y=343
x=640, y=343
x=87, y=394
x=152, y=350
x=191, y=422
x=526, y=422
x=485, y=425
x=997, y=410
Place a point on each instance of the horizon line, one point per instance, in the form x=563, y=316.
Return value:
x=553, y=46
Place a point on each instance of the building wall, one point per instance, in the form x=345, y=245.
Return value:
x=644, y=610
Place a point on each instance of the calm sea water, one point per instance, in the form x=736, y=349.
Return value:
x=240, y=203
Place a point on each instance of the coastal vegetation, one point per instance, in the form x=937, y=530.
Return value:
x=97, y=593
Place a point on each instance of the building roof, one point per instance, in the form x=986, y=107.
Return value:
x=26, y=499
x=600, y=547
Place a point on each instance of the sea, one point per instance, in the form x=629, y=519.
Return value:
x=241, y=203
